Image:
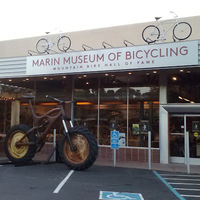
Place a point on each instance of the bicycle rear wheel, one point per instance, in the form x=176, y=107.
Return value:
x=182, y=31
x=64, y=43
x=23, y=153
x=150, y=34
x=42, y=45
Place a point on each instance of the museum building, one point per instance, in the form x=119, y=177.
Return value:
x=117, y=81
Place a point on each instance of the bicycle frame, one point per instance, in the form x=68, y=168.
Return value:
x=50, y=118
x=50, y=43
x=164, y=32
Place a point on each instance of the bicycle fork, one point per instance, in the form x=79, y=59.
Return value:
x=67, y=133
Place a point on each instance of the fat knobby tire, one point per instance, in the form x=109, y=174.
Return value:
x=79, y=132
x=9, y=144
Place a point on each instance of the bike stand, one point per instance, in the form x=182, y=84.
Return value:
x=50, y=156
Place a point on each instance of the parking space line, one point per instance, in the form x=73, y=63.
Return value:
x=169, y=186
x=193, y=196
x=63, y=182
x=186, y=189
x=171, y=183
x=180, y=175
x=181, y=179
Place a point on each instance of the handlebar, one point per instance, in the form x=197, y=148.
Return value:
x=175, y=15
x=58, y=100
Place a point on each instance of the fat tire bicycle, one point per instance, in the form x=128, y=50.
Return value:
x=44, y=45
x=180, y=30
x=77, y=147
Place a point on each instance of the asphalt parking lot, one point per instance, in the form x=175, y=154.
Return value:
x=56, y=181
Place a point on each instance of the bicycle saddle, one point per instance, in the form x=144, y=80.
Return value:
x=157, y=18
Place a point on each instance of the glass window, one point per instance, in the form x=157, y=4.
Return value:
x=113, y=108
x=53, y=86
x=86, y=107
x=143, y=109
x=112, y=90
x=183, y=86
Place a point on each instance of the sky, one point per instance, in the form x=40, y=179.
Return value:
x=29, y=18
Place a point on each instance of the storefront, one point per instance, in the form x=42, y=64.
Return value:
x=120, y=88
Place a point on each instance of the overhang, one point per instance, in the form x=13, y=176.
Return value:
x=182, y=108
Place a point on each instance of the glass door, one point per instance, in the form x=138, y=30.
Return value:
x=177, y=128
x=193, y=128
x=176, y=138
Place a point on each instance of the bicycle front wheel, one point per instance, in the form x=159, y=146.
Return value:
x=182, y=31
x=42, y=45
x=64, y=43
x=150, y=34
x=85, y=149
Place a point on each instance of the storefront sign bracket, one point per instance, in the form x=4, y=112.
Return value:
x=126, y=41
x=106, y=44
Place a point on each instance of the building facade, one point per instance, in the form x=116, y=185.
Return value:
x=116, y=81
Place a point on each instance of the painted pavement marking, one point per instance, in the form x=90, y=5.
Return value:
x=63, y=182
x=120, y=196
x=184, y=181
x=169, y=186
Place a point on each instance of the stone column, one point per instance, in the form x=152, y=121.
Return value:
x=163, y=119
x=15, y=112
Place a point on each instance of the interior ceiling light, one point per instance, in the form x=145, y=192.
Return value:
x=45, y=78
x=155, y=72
x=10, y=80
x=147, y=74
x=106, y=74
x=83, y=103
x=174, y=78
x=84, y=75
x=181, y=70
x=64, y=77
x=87, y=83
x=188, y=72
x=129, y=73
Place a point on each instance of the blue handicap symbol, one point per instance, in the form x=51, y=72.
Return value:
x=114, y=134
x=114, y=141
x=120, y=196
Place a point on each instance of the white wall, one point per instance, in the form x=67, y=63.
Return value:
x=115, y=36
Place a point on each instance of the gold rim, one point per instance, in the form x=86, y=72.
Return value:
x=81, y=149
x=17, y=151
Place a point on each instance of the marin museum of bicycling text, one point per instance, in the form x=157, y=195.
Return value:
x=135, y=79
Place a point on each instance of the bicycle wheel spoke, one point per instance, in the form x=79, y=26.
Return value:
x=182, y=31
x=42, y=45
x=64, y=43
x=150, y=34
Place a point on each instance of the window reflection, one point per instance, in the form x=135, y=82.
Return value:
x=85, y=95
x=183, y=87
x=120, y=97
x=113, y=110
